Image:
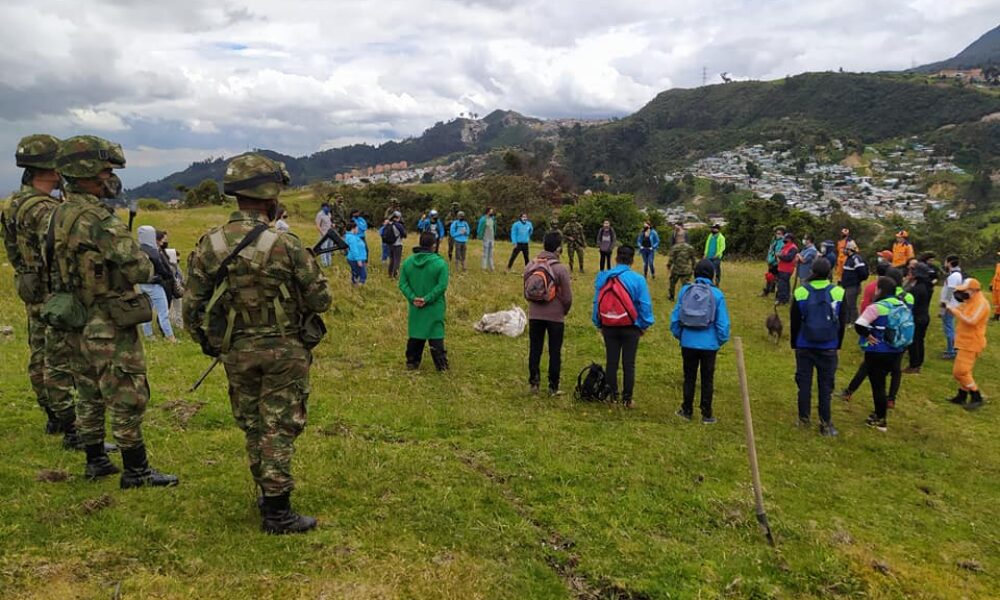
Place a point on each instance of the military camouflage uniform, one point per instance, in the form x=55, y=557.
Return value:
x=682, y=260
x=272, y=283
x=575, y=241
x=339, y=216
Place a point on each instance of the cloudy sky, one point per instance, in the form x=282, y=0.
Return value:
x=183, y=80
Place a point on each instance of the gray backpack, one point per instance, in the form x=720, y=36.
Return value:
x=698, y=306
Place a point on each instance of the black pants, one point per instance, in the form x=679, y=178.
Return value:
x=621, y=344
x=415, y=352
x=896, y=377
x=395, y=259
x=917, y=347
x=451, y=247
x=605, y=260
x=518, y=249
x=784, y=293
x=880, y=365
x=824, y=362
x=693, y=359
x=537, y=329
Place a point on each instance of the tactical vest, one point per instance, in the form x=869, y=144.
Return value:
x=28, y=259
x=79, y=266
x=250, y=300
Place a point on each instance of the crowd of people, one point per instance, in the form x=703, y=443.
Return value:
x=253, y=296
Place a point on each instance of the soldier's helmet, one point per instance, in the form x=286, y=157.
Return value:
x=37, y=152
x=255, y=176
x=85, y=156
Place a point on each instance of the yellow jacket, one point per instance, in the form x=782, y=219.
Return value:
x=971, y=319
x=902, y=252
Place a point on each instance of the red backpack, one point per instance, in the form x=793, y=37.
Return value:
x=614, y=305
x=539, y=281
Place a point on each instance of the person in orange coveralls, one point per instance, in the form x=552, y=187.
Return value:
x=971, y=317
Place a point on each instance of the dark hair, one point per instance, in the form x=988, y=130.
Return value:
x=808, y=237
x=160, y=234
x=895, y=274
x=427, y=239
x=625, y=255
x=552, y=241
x=355, y=213
x=886, y=288
x=952, y=260
x=704, y=269
x=926, y=256
x=325, y=205
x=881, y=268
x=28, y=176
x=820, y=270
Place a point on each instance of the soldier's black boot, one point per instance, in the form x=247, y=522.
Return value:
x=279, y=518
x=440, y=356
x=71, y=438
x=98, y=463
x=138, y=473
x=960, y=397
x=975, y=401
x=52, y=426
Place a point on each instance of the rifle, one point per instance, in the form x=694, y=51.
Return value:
x=133, y=209
x=331, y=235
x=205, y=375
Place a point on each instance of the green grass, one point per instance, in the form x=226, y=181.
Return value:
x=466, y=486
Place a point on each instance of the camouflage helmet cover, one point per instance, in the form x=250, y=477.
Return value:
x=37, y=151
x=255, y=176
x=85, y=156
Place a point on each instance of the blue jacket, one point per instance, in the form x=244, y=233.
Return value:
x=520, y=233
x=637, y=289
x=356, y=249
x=710, y=338
x=362, y=225
x=653, y=237
x=425, y=225
x=460, y=231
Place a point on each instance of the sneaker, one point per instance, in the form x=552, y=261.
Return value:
x=709, y=420
x=684, y=415
x=912, y=371
x=555, y=393
x=827, y=429
x=845, y=395
x=946, y=356
x=877, y=423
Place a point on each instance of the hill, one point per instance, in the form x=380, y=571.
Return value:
x=681, y=125
x=982, y=52
x=462, y=135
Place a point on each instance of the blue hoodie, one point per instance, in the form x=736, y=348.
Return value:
x=654, y=238
x=637, y=290
x=520, y=233
x=356, y=250
x=710, y=338
x=460, y=231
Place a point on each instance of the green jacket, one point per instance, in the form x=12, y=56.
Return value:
x=425, y=275
x=721, y=246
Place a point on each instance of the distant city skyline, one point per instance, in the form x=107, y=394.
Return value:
x=181, y=81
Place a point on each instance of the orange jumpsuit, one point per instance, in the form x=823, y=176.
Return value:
x=841, y=257
x=996, y=290
x=902, y=252
x=971, y=319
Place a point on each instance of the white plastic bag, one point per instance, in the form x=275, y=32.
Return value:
x=508, y=322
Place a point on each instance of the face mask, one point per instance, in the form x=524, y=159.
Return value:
x=112, y=187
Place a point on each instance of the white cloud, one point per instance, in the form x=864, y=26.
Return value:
x=101, y=120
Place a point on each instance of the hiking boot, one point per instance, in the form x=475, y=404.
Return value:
x=827, y=429
x=279, y=518
x=684, y=415
x=98, y=463
x=138, y=473
x=709, y=420
x=52, y=426
x=975, y=402
x=877, y=423
x=71, y=438
x=845, y=395
x=912, y=371
x=960, y=397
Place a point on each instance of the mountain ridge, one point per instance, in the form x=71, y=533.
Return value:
x=980, y=53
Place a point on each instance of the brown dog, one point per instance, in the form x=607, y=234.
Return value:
x=774, y=327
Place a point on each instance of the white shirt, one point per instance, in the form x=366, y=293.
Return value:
x=948, y=290
x=323, y=222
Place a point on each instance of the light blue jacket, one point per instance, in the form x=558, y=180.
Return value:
x=356, y=250
x=520, y=233
x=653, y=237
x=460, y=231
x=710, y=338
x=637, y=290
x=425, y=225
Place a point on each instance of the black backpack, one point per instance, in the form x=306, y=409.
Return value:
x=390, y=234
x=591, y=386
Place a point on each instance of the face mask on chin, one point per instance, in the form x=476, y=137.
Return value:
x=111, y=187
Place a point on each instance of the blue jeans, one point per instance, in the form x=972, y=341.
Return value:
x=324, y=259
x=948, y=321
x=825, y=364
x=648, y=256
x=359, y=274
x=488, y=255
x=158, y=297
x=385, y=252
x=717, y=263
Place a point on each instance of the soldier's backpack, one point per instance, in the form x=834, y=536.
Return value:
x=591, y=384
x=900, y=327
x=615, y=307
x=697, y=306
x=821, y=324
x=30, y=279
x=539, y=281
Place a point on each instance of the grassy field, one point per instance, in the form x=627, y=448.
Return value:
x=466, y=486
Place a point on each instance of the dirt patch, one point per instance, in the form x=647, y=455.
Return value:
x=182, y=410
x=52, y=475
x=93, y=505
x=853, y=161
x=942, y=190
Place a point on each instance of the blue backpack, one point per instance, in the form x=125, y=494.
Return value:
x=698, y=306
x=900, y=328
x=820, y=325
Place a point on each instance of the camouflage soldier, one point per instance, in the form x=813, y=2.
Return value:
x=25, y=222
x=253, y=298
x=341, y=221
x=95, y=269
x=681, y=263
x=576, y=241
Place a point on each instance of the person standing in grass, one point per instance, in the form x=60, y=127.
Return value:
x=995, y=288
x=953, y=280
x=486, y=230
x=623, y=311
x=647, y=243
x=777, y=243
x=902, y=250
x=606, y=240
x=881, y=267
x=459, y=236
x=818, y=318
x=576, y=241
x=715, y=248
x=157, y=286
x=324, y=221
x=845, y=239
x=357, y=254
x=393, y=234
x=853, y=272
x=682, y=261
x=520, y=236
x=806, y=256
x=700, y=322
x=786, y=267
x=423, y=281
x=971, y=316
x=549, y=292
x=880, y=357
x=922, y=289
